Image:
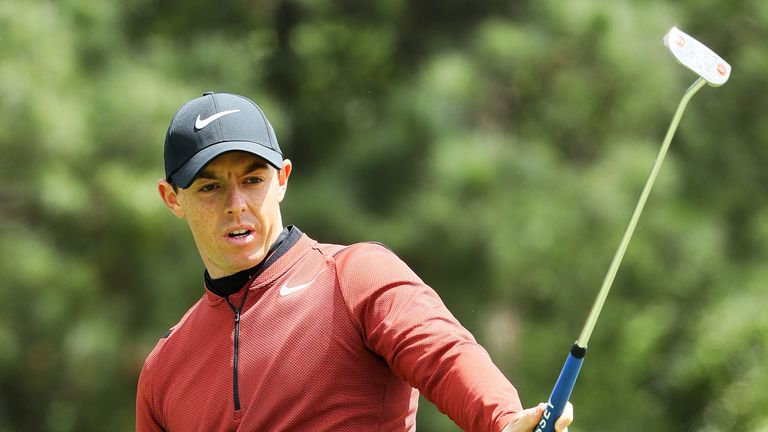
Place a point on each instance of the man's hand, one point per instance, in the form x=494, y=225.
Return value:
x=526, y=420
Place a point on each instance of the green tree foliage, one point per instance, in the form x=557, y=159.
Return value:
x=498, y=147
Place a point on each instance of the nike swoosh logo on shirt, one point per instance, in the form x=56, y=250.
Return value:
x=201, y=123
x=286, y=290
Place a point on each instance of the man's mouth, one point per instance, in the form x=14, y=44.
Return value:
x=239, y=233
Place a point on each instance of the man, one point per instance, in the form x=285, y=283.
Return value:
x=292, y=334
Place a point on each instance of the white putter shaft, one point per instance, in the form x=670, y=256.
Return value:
x=710, y=68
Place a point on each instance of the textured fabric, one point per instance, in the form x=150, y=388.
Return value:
x=342, y=351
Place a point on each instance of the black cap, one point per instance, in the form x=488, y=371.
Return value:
x=216, y=123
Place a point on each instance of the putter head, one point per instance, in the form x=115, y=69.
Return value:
x=697, y=57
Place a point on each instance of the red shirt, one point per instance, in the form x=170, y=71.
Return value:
x=330, y=339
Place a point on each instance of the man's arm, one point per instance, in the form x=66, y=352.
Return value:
x=146, y=418
x=404, y=321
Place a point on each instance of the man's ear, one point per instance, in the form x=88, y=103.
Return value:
x=170, y=198
x=282, y=178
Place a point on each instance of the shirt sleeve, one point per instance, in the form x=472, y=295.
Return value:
x=404, y=321
x=146, y=417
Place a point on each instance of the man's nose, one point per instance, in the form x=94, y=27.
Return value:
x=236, y=201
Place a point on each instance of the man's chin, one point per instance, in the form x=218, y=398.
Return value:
x=237, y=262
x=248, y=261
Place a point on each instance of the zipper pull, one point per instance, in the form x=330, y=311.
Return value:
x=237, y=316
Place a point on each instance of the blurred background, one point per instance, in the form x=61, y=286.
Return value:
x=497, y=146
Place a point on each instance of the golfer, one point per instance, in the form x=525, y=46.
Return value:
x=291, y=334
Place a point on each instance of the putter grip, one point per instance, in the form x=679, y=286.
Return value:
x=563, y=388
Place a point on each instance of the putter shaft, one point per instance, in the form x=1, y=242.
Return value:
x=586, y=332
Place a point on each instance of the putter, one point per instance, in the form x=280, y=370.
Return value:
x=711, y=70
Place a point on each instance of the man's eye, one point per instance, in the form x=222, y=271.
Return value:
x=207, y=188
x=253, y=180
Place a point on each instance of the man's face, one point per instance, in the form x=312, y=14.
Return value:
x=233, y=210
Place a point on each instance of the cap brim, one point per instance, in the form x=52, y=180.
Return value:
x=185, y=175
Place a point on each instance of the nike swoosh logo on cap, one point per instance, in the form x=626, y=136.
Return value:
x=201, y=123
x=286, y=290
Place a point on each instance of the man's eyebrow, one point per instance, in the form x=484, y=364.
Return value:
x=255, y=166
x=206, y=174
